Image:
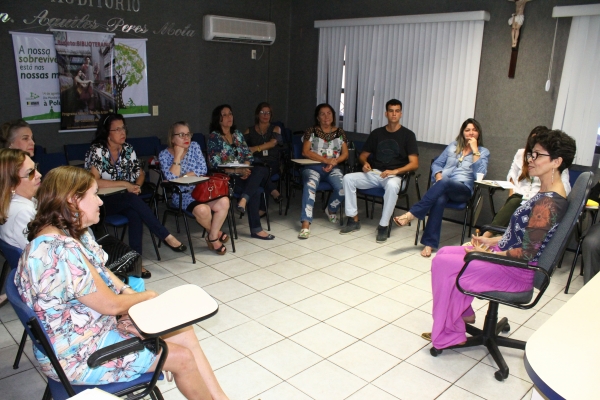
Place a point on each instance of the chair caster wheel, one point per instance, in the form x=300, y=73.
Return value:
x=435, y=352
x=500, y=376
x=506, y=328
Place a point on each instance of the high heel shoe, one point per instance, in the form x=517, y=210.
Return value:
x=178, y=249
x=220, y=251
x=242, y=210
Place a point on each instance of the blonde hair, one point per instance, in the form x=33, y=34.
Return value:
x=11, y=161
x=58, y=201
x=172, y=131
x=9, y=131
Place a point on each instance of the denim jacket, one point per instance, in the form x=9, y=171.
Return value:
x=465, y=171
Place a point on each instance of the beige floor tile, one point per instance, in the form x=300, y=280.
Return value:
x=327, y=381
x=226, y=318
x=384, y=308
x=228, y=290
x=365, y=361
x=422, y=282
x=456, y=393
x=291, y=250
x=480, y=381
x=165, y=284
x=288, y=292
x=408, y=295
x=218, y=353
x=398, y=273
x=203, y=276
x=316, y=260
x=449, y=365
x=341, y=252
x=235, y=267
x=287, y=321
x=368, y=262
x=260, y=279
x=416, y=322
x=356, y=323
x=389, y=254
x=290, y=269
x=349, y=294
x=375, y=283
x=282, y=391
x=320, y=307
x=318, y=281
x=323, y=339
x=409, y=382
x=286, y=358
x=372, y=393
x=256, y=305
x=417, y=262
x=245, y=379
x=250, y=337
x=396, y=341
x=343, y=271
x=264, y=258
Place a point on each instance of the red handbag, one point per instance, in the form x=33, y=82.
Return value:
x=215, y=187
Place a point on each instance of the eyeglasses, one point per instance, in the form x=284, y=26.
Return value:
x=183, y=135
x=265, y=112
x=31, y=173
x=119, y=129
x=535, y=154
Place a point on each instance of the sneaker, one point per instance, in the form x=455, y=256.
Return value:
x=351, y=226
x=382, y=232
x=304, y=234
x=332, y=217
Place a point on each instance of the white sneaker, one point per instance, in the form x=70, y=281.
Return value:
x=333, y=218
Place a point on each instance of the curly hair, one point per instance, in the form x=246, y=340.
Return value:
x=557, y=144
x=9, y=131
x=461, y=143
x=525, y=168
x=58, y=201
x=103, y=129
x=11, y=161
x=215, y=121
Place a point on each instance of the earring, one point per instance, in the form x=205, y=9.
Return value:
x=12, y=192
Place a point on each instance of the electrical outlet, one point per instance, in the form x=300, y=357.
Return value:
x=155, y=111
x=253, y=54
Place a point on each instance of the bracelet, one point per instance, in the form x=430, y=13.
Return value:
x=123, y=288
x=476, y=153
x=177, y=163
x=258, y=148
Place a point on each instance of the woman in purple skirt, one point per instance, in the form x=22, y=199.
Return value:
x=529, y=230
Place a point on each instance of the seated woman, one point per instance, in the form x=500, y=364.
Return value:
x=113, y=163
x=184, y=158
x=264, y=140
x=529, y=230
x=453, y=174
x=17, y=135
x=328, y=145
x=67, y=265
x=19, y=181
x=525, y=186
x=225, y=145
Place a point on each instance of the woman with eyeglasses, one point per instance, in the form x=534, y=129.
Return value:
x=113, y=163
x=227, y=145
x=17, y=135
x=19, y=182
x=184, y=157
x=453, y=175
x=264, y=140
x=525, y=186
x=530, y=229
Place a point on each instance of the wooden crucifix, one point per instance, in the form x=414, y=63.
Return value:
x=516, y=21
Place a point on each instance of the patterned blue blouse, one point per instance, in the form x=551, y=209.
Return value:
x=221, y=152
x=193, y=161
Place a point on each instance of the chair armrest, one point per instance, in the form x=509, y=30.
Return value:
x=176, y=190
x=494, y=228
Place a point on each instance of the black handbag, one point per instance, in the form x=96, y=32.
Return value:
x=122, y=259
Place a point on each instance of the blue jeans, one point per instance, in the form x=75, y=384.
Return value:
x=311, y=176
x=434, y=202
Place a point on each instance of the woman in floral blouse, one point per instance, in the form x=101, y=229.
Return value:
x=226, y=145
x=184, y=157
x=62, y=276
x=327, y=144
x=113, y=163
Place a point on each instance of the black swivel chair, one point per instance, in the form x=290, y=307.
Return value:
x=489, y=336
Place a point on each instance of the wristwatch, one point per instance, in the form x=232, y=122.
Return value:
x=476, y=153
x=176, y=163
x=123, y=288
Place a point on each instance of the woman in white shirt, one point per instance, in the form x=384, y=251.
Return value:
x=525, y=186
x=19, y=182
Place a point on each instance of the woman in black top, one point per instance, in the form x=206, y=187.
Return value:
x=264, y=140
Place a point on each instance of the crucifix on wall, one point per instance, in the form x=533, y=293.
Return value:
x=516, y=21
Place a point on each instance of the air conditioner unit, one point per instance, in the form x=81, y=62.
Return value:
x=238, y=30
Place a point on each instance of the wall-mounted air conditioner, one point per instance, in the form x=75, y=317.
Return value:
x=237, y=30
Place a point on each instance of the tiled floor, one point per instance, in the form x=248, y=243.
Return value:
x=331, y=317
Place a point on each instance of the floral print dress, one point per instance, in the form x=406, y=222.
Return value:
x=125, y=168
x=51, y=276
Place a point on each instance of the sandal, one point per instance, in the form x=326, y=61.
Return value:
x=426, y=336
x=241, y=210
x=426, y=252
x=224, y=238
x=146, y=274
x=403, y=220
x=304, y=234
x=220, y=251
x=332, y=217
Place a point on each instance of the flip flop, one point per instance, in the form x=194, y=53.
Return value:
x=398, y=220
x=426, y=336
x=425, y=253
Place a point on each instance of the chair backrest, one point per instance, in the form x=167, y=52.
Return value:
x=297, y=146
x=50, y=161
x=145, y=146
x=76, y=152
x=10, y=253
x=556, y=246
x=201, y=140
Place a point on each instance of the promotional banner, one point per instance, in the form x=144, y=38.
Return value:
x=86, y=76
x=131, y=77
x=37, y=74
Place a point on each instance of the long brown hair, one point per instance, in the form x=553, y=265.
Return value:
x=528, y=146
x=461, y=143
x=11, y=161
x=58, y=201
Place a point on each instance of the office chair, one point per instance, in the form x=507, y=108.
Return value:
x=75, y=153
x=489, y=336
x=62, y=390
